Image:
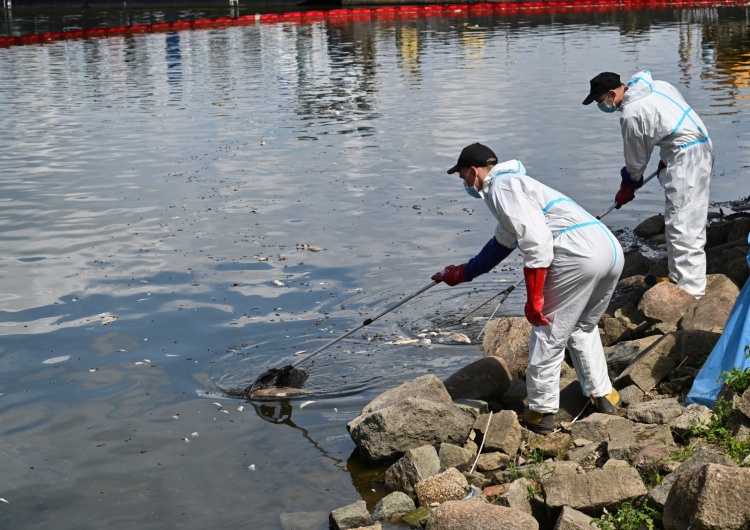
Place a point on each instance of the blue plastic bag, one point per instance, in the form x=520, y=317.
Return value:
x=728, y=353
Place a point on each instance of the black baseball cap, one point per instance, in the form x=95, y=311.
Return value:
x=474, y=155
x=602, y=83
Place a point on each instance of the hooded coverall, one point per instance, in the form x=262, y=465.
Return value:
x=655, y=114
x=584, y=262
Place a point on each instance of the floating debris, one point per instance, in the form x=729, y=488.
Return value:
x=459, y=338
x=107, y=319
x=55, y=360
x=93, y=369
x=304, y=246
x=240, y=408
x=399, y=342
x=306, y=403
x=278, y=283
x=278, y=392
x=260, y=258
x=195, y=434
x=251, y=467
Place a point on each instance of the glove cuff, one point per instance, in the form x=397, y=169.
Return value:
x=627, y=180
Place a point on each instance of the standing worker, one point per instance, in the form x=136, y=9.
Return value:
x=572, y=263
x=655, y=114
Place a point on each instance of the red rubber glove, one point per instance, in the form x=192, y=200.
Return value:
x=661, y=166
x=624, y=195
x=452, y=275
x=534, y=297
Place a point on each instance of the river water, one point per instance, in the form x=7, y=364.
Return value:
x=161, y=194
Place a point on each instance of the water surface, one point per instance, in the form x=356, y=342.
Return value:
x=155, y=187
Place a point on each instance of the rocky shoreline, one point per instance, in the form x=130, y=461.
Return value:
x=458, y=457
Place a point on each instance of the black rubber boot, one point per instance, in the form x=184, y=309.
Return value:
x=539, y=422
x=607, y=404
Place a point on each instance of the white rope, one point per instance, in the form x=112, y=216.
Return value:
x=479, y=451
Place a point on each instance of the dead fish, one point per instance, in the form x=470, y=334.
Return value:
x=399, y=342
x=459, y=338
x=315, y=249
x=280, y=392
x=278, y=283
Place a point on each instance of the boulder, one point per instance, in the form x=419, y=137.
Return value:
x=396, y=421
x=508, y=338
x=713, y=497
x=591, y=492
x=658, y=495
x=450, y=485
x=393, y=506
x=350, y=516
x=486, y=379
x=665, y=302
x=416, y=465
x=462, y=515
x=502, y=433
x=571, y=519
x=655, y=411
x=650, y=227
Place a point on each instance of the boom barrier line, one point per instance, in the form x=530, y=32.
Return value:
x=452, y=10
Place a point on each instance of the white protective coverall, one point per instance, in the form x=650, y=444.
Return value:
x=655, y=114
x=584, y=262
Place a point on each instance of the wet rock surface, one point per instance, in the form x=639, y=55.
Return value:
x=458, y=449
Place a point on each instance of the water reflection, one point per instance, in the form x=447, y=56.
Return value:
x=177, y=180
x=279, y=412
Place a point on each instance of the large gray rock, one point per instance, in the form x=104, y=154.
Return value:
x=656, y=411
x=393, y=506
x=464, y=515
x=502, y=434
x=416, y=465
x=620, y=355
x=705, y=455
x=693, y=416
x=571, y=519
x=518, y=497
x=712, y=498
x=454, y=456
x=652, y=365
x=449, y=485
x=509, y=338
x=397, y=421
x=486, y=379
x=350, y=516
x=626, y=443
x=710, y=313
x=593, y=491
x=665, y=302
x=650, y=227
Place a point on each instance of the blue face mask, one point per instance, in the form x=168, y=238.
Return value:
x=604, y=107
x=471, y=190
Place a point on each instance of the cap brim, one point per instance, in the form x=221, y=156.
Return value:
x=589, y=99
x=454, y=169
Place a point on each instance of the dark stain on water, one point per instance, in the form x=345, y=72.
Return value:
x=183, y=211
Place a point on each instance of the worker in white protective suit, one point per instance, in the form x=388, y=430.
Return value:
x=653, y=113
x=572, y=263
